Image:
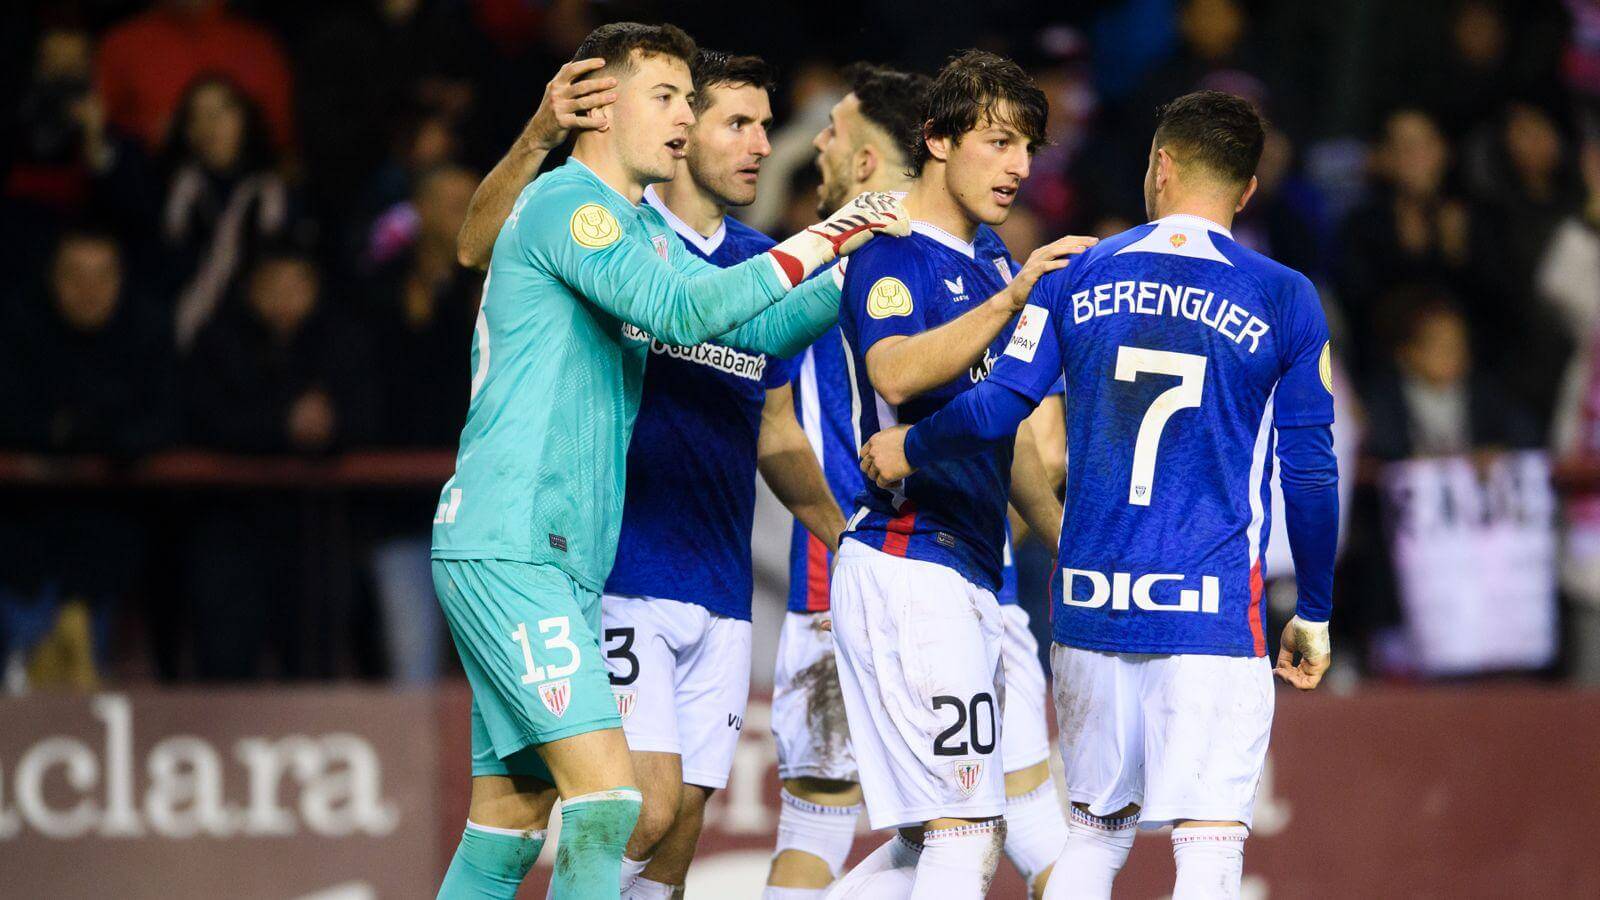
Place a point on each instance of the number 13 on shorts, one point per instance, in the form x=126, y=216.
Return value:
x=559, y=642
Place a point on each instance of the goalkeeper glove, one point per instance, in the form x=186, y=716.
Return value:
x=874, y=212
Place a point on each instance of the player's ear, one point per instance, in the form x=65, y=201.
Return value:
x=1165, y=167
x=939, y=148
x=1249, y=191
x=866, y=163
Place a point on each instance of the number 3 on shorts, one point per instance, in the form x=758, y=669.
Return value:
x=559, y=641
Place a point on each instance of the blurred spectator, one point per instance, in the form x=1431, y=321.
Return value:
x=1527, y=187
x=1213, y=51
x=148, y=62
x=422, y=307
x=387, y=210
x=224, y=199
x=1411, y=229
x=84, y=373
x=282, y=374
x=1433, y=401
x=363, y=67
x=1568, y=274
x=67, y=164
x=1283, y=217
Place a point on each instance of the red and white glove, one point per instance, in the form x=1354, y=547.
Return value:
x=874, y=212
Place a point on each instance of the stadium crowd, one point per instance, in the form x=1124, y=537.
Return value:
x=232, y=226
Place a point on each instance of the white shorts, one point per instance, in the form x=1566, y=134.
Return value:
x=681, y=676
x=918, y=648
x=1183, y=736
x=1025, y=733
x=808, y=721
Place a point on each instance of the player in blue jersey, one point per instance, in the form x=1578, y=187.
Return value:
x=867, y=146
x=1190, y=362
x=917, y=629
x=676, y=608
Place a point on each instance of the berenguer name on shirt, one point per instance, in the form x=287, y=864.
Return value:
x=1154, y=298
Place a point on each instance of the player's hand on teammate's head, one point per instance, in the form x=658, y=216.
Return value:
x=883, y=457
x=570, y=104
x=1309, y=641
x=1052, y=256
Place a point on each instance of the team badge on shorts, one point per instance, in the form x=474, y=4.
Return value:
x=625, y=699
x=968, y=775
x=556, y=695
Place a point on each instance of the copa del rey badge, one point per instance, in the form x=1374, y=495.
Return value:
x=968, y=775
x=625, y=698
x=556, y=695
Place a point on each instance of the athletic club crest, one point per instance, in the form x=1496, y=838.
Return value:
x=556, y=695
x=968, y=775
x=625, y=698
x=660, y=241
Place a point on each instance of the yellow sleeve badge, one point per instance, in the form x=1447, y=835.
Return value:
x=889, y=297
x=594, y=226
x=1325, y=365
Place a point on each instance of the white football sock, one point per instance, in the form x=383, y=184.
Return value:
x=1035, y=830
x=630, y=871
x=1210, y=862
x=792, y=893
x=645, y=889
x=886, y=874
x=1095, y=850
x=825, y=832
x=958, y=863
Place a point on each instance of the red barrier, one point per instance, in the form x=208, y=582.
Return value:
x=1448, y=792
x=355, y=793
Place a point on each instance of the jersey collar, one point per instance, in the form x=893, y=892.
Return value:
x=939, y=235
x=595, y=177
x=1184, y=220
x=706, y=245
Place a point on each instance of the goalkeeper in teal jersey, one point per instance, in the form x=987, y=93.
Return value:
x=580, y=279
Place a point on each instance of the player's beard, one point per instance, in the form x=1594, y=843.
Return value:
x=830, y=194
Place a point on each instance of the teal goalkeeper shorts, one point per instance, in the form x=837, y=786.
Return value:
x=529, y=639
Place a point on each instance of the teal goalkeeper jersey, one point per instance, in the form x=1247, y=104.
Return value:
x=579, y=282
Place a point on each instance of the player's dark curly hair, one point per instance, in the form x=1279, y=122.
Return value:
x=892, y=100
x=977, y=86
x=713, y=68
x=1219, y=131
x=616, y=42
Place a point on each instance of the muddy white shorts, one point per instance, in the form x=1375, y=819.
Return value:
x=808, y=721
x=1184, y=736
x=1025, y=732
x=919, y=648
x=681, y=676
